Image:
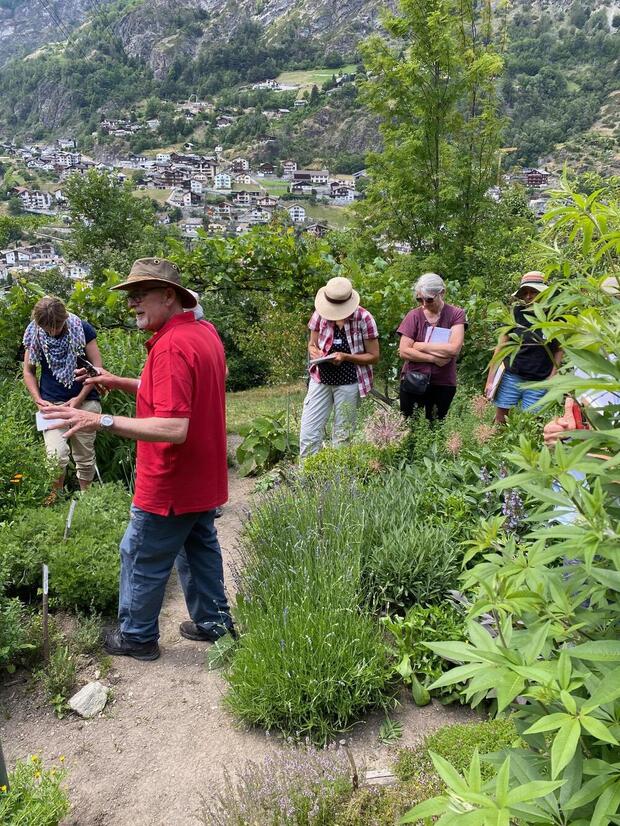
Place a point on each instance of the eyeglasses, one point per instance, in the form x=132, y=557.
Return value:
x=138, y=296
x=424, y=299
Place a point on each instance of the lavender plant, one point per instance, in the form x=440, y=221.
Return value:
x=300, y=787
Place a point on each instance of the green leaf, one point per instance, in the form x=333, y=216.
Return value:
x=448, y=774
x=429, y=808
x=598, y=729
x=606, y=806
x=597, y=651
x=390, y=731
x=421, y=696
x=607, y=691
x=532, y=791
x=564, y=669
x=588, y=792
x=564, y=746
x=549, y=722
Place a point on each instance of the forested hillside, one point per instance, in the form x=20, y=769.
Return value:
x=560, y=69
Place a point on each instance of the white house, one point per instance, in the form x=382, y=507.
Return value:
x=342, y=194
x=196, y=186
x=297, y=213
x=190, y=227
x=153, y=123
x=244, y=178
x=222, y=180
x=76, y=271
x=35, y=199
x=162, y=157
x=288, y=167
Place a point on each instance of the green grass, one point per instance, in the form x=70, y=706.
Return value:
x=159, y=195
x=339, y=217
x=247, y=405
x=308, y=78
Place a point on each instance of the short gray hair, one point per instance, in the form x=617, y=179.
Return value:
x=429, y=284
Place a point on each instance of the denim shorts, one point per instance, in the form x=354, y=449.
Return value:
x=511, y=391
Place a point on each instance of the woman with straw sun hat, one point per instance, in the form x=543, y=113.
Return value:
x=344, y=344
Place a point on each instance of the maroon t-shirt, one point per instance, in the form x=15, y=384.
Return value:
x=414, y=325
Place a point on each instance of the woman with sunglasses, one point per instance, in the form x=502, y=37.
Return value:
x=58, y=341
x=431, y=337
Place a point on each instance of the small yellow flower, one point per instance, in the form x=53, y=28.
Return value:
x=62, y=758
x=37, y=775
x=3, y=789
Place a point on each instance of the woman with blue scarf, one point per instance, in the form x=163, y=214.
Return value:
x=55, y=339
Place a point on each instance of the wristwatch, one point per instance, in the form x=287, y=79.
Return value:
x=106, y=420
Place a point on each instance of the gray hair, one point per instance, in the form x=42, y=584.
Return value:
x=429, y=284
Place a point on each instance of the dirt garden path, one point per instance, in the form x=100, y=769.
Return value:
x=166, y=735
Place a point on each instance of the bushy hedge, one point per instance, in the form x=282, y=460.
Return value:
x=84, y=568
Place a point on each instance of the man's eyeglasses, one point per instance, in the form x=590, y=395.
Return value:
x=425, y=299
x=138, y=296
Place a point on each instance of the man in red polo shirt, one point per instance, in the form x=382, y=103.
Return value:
x=181, y=467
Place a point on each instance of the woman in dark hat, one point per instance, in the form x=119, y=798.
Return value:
x=537, y=359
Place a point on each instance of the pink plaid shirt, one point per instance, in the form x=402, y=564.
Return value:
x=358, y=328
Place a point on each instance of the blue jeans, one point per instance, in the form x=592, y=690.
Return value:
x=149, y=548
x=511, y=391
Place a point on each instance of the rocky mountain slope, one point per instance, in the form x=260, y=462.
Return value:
x=25, y=25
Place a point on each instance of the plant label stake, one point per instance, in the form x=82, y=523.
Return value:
x=69, y=519
x=46, y=637
x=4, y=778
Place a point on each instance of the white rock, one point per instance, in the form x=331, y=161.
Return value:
x=90, y=700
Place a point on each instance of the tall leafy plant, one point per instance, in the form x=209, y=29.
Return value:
x=551, y=653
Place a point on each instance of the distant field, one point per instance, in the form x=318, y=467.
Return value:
x=159, y=195
x=307, y=79
x=273, y=187
x=339, y=217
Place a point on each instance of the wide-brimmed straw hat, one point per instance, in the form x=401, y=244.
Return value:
x=337, y=299
x=158, y=271
x=534, y=279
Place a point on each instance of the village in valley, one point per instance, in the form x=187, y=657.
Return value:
x=217, y=194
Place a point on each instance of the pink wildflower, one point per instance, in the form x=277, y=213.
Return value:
x=484, y=432
x=479, y=406
x=454, y=443
x=385, y=427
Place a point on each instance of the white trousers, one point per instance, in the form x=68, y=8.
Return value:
x=82, y=446
x=318, y=405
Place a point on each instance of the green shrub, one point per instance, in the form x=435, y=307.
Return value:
x=457, y=743
x=86, y=638
x=416, y=663
x=360, y=461
x=413, y=526
x=34, y=797
x=58, y=678
x=25, y=472
x=84, y=569
x=310, y=660
x=14, y=642
x=265, y=442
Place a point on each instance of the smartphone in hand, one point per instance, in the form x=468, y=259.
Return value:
x=85, y=364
